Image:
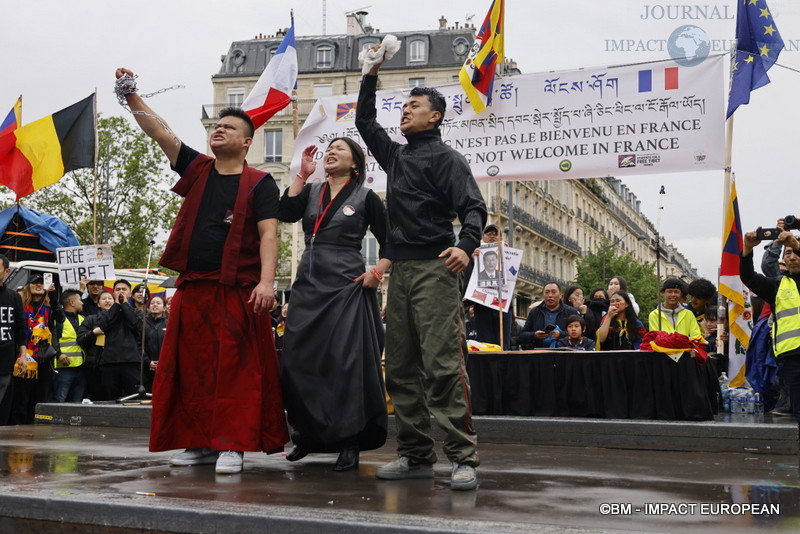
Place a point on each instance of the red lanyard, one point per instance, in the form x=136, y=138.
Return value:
x=318, y=222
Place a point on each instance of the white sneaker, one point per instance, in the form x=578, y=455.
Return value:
x=230, y=462
x=194, y=457
x=463, y=478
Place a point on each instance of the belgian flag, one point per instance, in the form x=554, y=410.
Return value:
x=40, y=153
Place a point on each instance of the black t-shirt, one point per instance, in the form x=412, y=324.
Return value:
x=216, y=211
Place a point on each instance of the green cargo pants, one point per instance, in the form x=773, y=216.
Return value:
x=426, y=361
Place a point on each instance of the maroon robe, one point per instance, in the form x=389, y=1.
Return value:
x=217, y=383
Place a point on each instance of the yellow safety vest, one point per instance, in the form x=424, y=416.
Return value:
x=69, y=345
x=786, y=329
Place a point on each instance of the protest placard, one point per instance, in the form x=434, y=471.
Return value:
x=95, y=262
x=482, y=286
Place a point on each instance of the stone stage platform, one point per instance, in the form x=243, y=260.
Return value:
x=94, y=474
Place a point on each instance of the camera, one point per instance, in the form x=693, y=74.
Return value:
x=791, y=222
x=768, y=234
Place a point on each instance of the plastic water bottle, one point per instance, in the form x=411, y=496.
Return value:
x=725, y=391
x=734, y=400
x=739, y=401
x=751, y=402
x=759, y=403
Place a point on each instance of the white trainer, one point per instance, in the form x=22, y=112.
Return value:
x=194, y=457
x=463, y=478
x=230, y=462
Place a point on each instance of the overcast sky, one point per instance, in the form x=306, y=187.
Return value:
x=55, y=52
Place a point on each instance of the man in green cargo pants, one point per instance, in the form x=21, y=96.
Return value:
x=428, y=185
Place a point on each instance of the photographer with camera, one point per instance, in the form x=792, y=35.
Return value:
x=771, y=260
x=783, y=296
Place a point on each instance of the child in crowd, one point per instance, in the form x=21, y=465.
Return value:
x=575, y=340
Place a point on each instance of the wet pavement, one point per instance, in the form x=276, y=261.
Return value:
x=57, y=477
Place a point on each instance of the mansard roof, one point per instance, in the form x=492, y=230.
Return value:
x=446, y=48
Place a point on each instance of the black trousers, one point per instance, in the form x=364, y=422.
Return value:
x=119, y=379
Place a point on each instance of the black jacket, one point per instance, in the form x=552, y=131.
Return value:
x=429, y=184
x=595, y=309
x=122, y=325
x=13, y=329
x=156, y=330
x=90, y=307
x=88, y=340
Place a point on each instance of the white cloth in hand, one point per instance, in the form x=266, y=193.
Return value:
x=386, y=51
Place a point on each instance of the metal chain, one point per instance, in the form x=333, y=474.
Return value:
x=126, y=85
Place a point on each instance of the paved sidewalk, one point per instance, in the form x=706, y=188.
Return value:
x=68, y=478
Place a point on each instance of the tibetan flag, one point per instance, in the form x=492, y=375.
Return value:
x=740, y=322
x=477, y=74
x=41, y=152
x=758, y=44
x=14, y=118
x=273, y=90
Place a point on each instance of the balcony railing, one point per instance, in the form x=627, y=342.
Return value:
x=526, y=272
x=539, y=227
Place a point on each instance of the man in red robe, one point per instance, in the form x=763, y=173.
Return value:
x=216, y=393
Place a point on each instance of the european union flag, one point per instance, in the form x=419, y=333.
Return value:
x=759, y=44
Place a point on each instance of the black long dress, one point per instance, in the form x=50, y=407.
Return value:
x=331, y=363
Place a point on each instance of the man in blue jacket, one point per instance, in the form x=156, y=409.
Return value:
x=538, y=332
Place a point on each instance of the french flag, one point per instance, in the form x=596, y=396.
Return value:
x=646, y=79
x=273, y=90
x=13, y=119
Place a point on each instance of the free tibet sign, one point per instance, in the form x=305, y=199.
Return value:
x=95, y=262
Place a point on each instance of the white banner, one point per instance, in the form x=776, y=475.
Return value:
x=623, y=120
x=488, y=274
x=95, y=262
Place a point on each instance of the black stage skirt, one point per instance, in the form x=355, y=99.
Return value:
x=331, y=364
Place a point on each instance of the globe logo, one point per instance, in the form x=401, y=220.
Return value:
x=688, y=45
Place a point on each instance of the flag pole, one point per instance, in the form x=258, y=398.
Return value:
x=94, y=172
x=296, y=129
x=500, y=263
x=722, y=319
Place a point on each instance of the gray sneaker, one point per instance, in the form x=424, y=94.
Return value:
x=463, y=478
x=194, y=457
x=403, y=467
x=230, y=462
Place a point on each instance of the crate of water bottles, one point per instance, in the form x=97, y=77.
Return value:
x=740, y=400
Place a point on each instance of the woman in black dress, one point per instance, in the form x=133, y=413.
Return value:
x=331, y=363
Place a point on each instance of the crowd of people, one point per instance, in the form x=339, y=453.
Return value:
x=608, y=320
x=81, y=344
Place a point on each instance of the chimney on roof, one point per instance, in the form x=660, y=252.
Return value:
x=456, y=24
x=442, y=23
x=356, y=23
